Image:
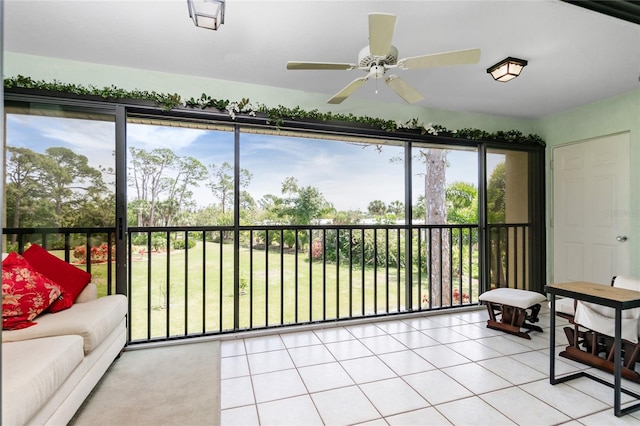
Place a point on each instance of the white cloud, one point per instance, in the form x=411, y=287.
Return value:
x=150, y=137
x=349, y=176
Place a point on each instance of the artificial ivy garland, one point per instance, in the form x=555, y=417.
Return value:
x=275, y=116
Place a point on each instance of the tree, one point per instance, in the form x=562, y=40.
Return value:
x=248, y=208
x=496, y=213
x=419, y=210
x=270, y=203
x=396, y=208
x=23, y=170
x=221, y=184
x=377, y=208
x=462, y=203
x=55, y=188
x=96, y=211
x=68, y=180
x=147, y=170
x=163, y=182
x=298, y=205
x=496, y=195
x=190, y=172
x=435, y=161
x=349, y=217
x=302, y=204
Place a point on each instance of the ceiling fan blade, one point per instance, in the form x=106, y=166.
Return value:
x=403, y=89
x=381, y=27
x=458, y=57
x=292, y=65
x=347, y=91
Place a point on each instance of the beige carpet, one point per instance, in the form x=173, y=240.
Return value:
x=171, y=385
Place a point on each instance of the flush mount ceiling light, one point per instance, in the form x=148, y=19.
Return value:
x=207, y=13
x=507, y=69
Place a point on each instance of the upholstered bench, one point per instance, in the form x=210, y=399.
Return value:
x=517, y=309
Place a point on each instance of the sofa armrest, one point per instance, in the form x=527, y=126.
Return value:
x=89, y=293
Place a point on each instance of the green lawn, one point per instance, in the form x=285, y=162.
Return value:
x=203, y=302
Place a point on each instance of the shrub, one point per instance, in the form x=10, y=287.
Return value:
x=180, y=244
x=9, y=247
x=372, y=250
x=158, y=242
x=140, y=239
x=316, y=250
x=99, y=254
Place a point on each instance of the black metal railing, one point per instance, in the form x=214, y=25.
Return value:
x=92, y=249
x=508, y=253
x=195, y=281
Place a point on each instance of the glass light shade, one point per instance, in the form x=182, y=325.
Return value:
x=507, y=69
x=207, y=13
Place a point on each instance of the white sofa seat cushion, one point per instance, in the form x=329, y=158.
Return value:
x=93, y=321
x=32, y=371
x=512, y=297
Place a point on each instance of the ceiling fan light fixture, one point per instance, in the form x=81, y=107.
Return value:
x=207, y=13
x=507, y=69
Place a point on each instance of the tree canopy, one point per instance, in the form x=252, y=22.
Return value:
x=59, y=188
x=53, y=189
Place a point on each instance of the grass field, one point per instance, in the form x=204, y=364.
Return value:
x=186, y=295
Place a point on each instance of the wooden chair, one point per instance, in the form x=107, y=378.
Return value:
x=591, y=339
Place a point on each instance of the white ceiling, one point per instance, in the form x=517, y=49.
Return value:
x=575, y=56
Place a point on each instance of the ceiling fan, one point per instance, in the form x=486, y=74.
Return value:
x=380, y=55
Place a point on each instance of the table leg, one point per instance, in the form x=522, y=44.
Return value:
x=552, y=344
x=617, y=368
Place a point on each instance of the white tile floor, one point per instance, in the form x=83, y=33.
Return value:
x=421, y=370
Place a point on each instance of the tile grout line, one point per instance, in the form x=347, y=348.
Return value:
x=387, y=332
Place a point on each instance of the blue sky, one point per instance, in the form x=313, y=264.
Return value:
x=349, y=175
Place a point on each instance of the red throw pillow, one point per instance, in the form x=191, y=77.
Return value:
x=71, y=279
x=25, y=293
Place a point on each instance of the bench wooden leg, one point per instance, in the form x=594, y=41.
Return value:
x=513, y=319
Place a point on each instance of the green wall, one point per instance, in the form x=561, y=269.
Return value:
x=614, y=115
x=606, y=117
x=66, y=71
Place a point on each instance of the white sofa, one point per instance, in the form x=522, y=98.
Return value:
x=50, y=368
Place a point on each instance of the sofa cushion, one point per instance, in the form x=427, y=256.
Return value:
x=93, y=321
x=89, y=293
x=71, y=278
x=32, y=371
x=512, y=297
x=25, y=293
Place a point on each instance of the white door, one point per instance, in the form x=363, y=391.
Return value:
x=591, y=210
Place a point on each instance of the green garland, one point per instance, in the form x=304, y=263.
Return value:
x=164, y=100
x=275, y=116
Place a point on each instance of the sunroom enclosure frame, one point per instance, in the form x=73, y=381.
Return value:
x=529, y=264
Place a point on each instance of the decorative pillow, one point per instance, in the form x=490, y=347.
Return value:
x=25, y=293
x=71, y=279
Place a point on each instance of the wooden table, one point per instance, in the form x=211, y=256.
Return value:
x=616, y=298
